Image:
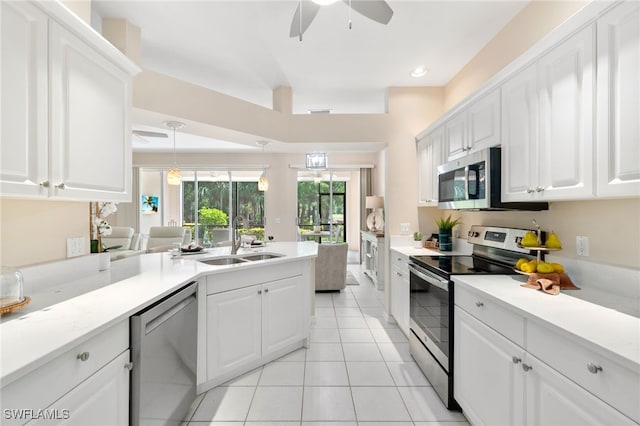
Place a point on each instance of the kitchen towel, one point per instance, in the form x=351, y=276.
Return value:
x=550, y=283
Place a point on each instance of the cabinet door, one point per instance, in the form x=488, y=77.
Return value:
x=456, y=135
x=567, y=88
x=429, y=158
x=484, y=122
x=520, y=135
x=233, y=330
x=618, y=129
x=488, y=384
x=552, y=399
x=102, y=399
x=282, y=314
x=90, y=130
x=23, y=123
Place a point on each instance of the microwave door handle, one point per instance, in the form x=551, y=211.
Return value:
x=477, y=182
x=466, y=182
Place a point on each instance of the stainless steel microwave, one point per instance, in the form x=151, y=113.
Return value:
x=474, y=182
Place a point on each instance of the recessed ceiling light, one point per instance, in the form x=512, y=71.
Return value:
x=324, y=2
x=419, y=71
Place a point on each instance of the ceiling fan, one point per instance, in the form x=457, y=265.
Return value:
x=377, y=10
x=142, y=135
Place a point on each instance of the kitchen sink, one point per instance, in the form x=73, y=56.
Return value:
x=227, y=260
x=261, y=256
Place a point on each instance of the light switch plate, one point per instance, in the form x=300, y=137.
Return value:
x=75, y=246
x=404, y=228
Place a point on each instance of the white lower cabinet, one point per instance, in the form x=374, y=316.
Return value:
x=497, y=382
x=250, y=324
x=400, y=289
x=86, y=385
x=102, y=399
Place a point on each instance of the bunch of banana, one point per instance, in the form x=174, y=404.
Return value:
x=531, y=266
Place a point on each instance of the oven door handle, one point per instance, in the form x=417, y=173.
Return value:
x=429, y=277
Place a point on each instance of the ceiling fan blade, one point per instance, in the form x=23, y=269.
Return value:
x=149, y=134
x=377, y=10
x=309, y=11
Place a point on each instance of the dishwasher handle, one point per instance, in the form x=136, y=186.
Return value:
x=163, y=317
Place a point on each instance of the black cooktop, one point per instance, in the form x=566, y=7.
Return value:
x=460, y=265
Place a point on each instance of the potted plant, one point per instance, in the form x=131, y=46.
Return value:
x=445, y=227
x=417, y=239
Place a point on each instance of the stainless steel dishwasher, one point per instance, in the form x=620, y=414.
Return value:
x=163, y=351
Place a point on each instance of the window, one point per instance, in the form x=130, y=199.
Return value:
x=210, y=199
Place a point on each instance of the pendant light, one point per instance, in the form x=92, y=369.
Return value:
x=173, y=176
x=263, y=182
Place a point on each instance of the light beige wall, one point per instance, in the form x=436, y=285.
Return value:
x=612, y=226
x=410, y=111
x=523, y=31
x=82, y=8
x=36, y=231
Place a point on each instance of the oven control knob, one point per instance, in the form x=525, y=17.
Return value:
x=474, y=234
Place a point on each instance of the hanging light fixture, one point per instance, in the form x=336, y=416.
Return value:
x=173, y=175
x=316, y=160
x=263, y=182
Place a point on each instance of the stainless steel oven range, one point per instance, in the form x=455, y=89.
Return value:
x=495, y=251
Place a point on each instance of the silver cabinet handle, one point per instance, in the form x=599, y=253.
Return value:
x=479, y=304
x=398, y=274
x=526, y=367
x=129, y=366
x=83, y=356
x=259, y=291
x=594, y=368
x=266, y=290
x=539, y=189
x=60, y=185
x=530, y=190
x=44, y=184
x=516, y=360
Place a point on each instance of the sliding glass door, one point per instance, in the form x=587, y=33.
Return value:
x=211, y=199
x=322, y=207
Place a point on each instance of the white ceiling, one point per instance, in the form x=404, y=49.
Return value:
x=243, y=49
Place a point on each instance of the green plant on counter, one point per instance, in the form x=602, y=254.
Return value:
x=447, y=224
x=417, y=236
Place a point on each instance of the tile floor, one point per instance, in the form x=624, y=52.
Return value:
x=357, y=371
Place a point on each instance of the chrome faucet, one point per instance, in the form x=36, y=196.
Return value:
x=237, y=238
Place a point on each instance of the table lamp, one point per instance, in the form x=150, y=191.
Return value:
x=375, y=221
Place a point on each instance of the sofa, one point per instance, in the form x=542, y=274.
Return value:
x=331, y=267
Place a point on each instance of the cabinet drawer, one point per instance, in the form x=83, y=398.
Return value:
x=608, y=380
x=400, y=261
x=41, y=387
x=218, y=283
x=505, y=322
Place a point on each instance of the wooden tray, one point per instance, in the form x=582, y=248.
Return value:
x=15, y=306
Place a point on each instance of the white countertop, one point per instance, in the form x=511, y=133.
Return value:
x=63, y=315
x=416, y=251
x=615, y=334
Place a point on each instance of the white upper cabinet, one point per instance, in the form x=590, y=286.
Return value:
x=24, y=125
x=547, y=125
x=429, y=158
x=66, y=102
x=484, y=122
x=618, y=102
x=519, y=134
x=456, y=135
x=474, y=128
x=567, y=87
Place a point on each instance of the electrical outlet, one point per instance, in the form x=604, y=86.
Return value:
x=75, y=246
x=582, y=246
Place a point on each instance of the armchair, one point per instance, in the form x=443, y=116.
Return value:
x=331, y=267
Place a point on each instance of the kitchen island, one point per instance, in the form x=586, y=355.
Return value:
x=64, y=316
